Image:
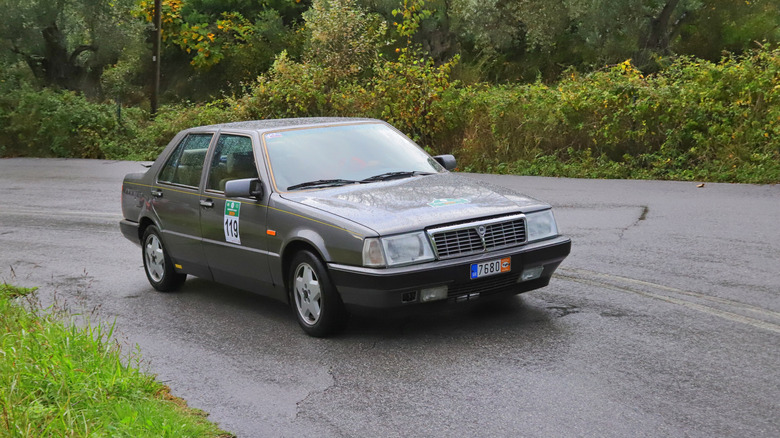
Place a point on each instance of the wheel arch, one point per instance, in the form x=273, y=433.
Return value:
x=292, y=248
x=143, y=224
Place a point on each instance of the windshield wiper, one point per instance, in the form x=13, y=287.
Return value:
x=393, y=175
x=322, y=183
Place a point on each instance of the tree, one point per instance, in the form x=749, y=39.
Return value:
x=729, y=25
x=68, y=43
x=227, y=43
x=586, y=34
x=343, y=38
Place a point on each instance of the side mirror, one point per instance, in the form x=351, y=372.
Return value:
x=244, y=188
x=447, y=161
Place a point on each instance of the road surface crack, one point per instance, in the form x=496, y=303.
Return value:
x=642, y=217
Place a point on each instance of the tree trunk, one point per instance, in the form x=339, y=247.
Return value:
x=658, y=37
x=59, y=68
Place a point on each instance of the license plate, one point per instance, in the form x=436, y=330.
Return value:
x=493, y=267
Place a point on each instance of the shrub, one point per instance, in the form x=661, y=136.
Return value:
x=52, y=123
x=289, y=89
x=693, y=120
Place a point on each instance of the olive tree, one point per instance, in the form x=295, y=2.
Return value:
x=68, y=43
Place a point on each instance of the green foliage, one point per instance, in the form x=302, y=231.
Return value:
x=344, y=38
x=526, y=39
x=141, y=139
x=10, y=291
x=58, y=379
x=694, y=120
x=412, y=13
x=67, y=44
x=409, y=93
x=211, y=47
x=49, y=123
x=290, y=89
x=728, y=25
x=406, y=92
x=410, y=89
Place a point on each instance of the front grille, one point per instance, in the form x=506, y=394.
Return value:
x=505, y=233
x=478, y=236
x=458, y=242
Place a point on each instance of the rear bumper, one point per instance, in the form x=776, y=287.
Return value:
x=365, y=289
x=130, y=230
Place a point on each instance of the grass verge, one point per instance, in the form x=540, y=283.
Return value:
x=59, y=379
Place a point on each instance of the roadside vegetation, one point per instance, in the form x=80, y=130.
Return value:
x=652, y=89
x=60, y=379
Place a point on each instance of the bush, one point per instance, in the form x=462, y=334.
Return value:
x=694, y=120
x=50, y=123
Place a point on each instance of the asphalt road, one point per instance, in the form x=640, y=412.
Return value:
x=663, y=321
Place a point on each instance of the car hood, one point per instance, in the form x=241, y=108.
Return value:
x=416, y=203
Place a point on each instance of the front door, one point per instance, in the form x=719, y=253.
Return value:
x=234, y=230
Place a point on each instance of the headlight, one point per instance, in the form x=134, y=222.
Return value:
x=541, y=225
x=397, y=250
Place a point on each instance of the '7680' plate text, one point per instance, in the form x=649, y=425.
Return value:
x=493, y=267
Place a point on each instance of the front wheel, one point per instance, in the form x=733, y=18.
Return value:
x=317, y=304
x=157, y=263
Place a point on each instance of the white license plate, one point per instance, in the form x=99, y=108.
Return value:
x=493, y=267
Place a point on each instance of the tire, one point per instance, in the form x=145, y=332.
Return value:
x=157, y=263
x=314, y=299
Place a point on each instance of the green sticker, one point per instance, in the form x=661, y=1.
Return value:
x=448, y=201
x=232, y=208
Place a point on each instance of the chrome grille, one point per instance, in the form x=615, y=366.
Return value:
x=505, y=233
x=478, y=236
x=458, y=242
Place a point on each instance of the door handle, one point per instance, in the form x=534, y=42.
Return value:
x=157, y=193
x=207, y=203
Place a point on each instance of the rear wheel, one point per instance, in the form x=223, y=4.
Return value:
x=157, y=263
x=315, y=300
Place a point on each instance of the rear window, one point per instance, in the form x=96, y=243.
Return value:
x=185, y=164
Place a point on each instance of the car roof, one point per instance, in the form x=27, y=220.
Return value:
x=268, y=124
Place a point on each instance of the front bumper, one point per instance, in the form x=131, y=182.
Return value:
x=369, y=288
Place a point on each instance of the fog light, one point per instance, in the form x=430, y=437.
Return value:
x=409, y=297
x=433, y=293
x=531, y=273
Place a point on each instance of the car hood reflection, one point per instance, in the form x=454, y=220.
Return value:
x=417, y=202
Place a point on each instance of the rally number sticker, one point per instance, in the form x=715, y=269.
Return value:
x=232, y=210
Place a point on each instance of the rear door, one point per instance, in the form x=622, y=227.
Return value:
x=234, y=230
x=175, y=197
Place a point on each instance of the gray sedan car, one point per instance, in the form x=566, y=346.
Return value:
x=333, y=216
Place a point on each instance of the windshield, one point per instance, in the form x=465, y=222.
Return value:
x=338, y=155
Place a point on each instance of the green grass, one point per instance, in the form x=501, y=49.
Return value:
x=59, y=379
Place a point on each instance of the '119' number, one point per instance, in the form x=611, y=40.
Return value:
x=231, y=229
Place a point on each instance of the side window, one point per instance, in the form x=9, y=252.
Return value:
x=233, y=159
x=185, y=164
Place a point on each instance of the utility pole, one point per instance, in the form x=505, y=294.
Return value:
x=157, y=38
